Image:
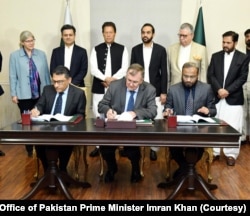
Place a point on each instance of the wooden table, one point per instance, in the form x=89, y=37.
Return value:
x=86, y=133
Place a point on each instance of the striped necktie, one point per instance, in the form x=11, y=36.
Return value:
x=58, y=106
x=190, y=103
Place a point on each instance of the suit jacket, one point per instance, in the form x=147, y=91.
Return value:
x=75, y=103
x=1, y=58
x=236, y=76
x=115, y=98
x=78, y=65
x=19, y=72
x=203, y=96
x=158, y=75
x=198, y=54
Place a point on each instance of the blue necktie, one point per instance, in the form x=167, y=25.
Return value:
x=58, y=106
x=190, y=103
x=131, y=103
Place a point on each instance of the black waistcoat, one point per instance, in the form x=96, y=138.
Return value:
x=116, y=52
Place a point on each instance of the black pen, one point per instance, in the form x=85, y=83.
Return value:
x=112, y=110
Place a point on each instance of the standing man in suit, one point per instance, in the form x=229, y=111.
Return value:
x=153, y=58
x=227, y=73
x=177, y=100
x=186, y=50
x=246, y=91
x=116, y=101
x=1, y=58
x=109, y=62
x=73, y=102
x=71, y=56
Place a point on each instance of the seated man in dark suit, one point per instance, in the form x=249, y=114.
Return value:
x=73, y=102
x=135, y=97
x=189, y=97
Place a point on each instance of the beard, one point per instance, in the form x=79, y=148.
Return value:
x=188, y=84
x=228, y=50
x=247, y=43
x=147, y=40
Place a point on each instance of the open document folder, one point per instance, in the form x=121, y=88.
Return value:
x=125, y=120
x=125, y=116
x=195, y=119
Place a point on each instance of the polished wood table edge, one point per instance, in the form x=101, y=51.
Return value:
x=85, y=133
x=90, y=142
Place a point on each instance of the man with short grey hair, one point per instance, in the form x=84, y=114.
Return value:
x=186, y=50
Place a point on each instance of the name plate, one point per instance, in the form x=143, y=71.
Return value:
x=120, y=124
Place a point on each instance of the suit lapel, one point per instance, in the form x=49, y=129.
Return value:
x=139, y=97
x=140, y=55
x=61, y=54
x=73, y=57
x=175, y=54
x=233, y=62
x=154, y=50
x=69, y=100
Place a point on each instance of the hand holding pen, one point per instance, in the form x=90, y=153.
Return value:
x=168, y=112
x=111, y=114
x=35, y=112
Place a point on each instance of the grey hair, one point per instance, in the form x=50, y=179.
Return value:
x=24, y=35
x=187, y=26
x=135, y=69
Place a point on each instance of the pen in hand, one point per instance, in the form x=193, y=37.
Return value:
x=111, y=114
x=35, y=112
x=168, y=112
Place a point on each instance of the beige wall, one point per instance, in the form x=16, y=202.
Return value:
x=219, y=16
x=44, y=18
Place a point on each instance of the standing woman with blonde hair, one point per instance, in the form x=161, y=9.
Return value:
x=28, y=74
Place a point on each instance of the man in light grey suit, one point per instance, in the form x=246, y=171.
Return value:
x=203, y=104
x=116, y=101
x=186, y=50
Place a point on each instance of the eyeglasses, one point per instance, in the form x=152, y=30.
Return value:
x=189, y=77
x=182, y=35
x=59, y=82
x=30, y=41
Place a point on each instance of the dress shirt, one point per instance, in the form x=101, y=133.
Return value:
x=147, y=52
x=184, y=54
x=227, y=62
x=67, y=56
x=128, y=95
x=64, y=98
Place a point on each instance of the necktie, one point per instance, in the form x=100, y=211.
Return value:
x=190, y=103
x=131, y=103
x=58, y=106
